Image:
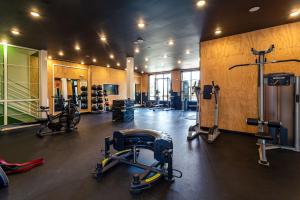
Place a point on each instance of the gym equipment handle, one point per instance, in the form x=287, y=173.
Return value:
x=256, y=122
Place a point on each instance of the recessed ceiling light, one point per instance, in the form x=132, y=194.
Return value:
x=295, y=13
x=165, y=56
x=218, y=31
x=61, y=53
x=141, y=24
x=171, y=42
x=146, y=59
x=111, y=56
x=187, y=51
x=118, y=64
x=4, y=41
x=137, y=50
x=49, y=57
x=136, y=68
x=77, y=47
x=200, y=3
x=94, y=60
x=82, y=62
x=179, y=61
x=254, y=9
x=108, y=66
x=103, y=38
x=15, y=31
x=35, y=13
x=142, y=72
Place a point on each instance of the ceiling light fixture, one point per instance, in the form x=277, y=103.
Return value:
x=103, y=38
x=141, y=24
x=142, y=72
x=136, y=68
x=111, y=56
x=146, y=59
x=15, y=31
x=137, y=50
x=128, y=61
x=35, y=13
x=126, y=69
x=254, y=9
x=118, y=64
x=3, y=41
x=94, y=60
x=77, y=47
x=179, y=61
x=61, y=53
x=295, y=13
x=187, y=52
x=218, y=31
x=165, y=56
x=49, y=57
x=200, y=3
x=82, y=62
x=171, y=42
x=108, y=66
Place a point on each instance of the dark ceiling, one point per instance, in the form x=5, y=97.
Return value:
x=66, y=22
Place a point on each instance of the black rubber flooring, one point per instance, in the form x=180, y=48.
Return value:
x=227, y=169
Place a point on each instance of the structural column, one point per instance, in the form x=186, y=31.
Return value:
x=44, y=101
x=130, y=78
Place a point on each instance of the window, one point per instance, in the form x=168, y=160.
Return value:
x=160, y=84
x=189, y=79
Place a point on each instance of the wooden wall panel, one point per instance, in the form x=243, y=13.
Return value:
x=238, y=96
x=176, y=78
x=104, y=75
x=145, y=83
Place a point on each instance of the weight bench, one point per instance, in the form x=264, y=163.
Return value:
x=128, y=143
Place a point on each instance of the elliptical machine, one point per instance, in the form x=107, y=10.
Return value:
x=65, y=121
x=213, y=132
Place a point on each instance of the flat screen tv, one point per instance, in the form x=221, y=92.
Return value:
x=111, y=89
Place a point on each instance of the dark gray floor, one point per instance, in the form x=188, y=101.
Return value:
x=227, y=169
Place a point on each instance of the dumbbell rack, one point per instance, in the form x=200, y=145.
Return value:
x=84, y=98
x=106, y=102
x=97, y=99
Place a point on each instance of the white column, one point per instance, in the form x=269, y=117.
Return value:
x=64, y=88
x=130, y=78
x=44, y=99
x=5, y=113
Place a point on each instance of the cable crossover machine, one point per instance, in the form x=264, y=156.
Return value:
x=278, y=107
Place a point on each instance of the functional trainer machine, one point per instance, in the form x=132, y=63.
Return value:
x=278, y=107
x=213, y=132
x=128, y=143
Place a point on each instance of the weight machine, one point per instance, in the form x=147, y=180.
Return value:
x=268, y=140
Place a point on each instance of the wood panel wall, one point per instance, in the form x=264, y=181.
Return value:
x=238, y=96
x=176, y=80
x=104, y=75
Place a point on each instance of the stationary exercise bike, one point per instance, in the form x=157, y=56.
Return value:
x=65, y=121
x=195, y=130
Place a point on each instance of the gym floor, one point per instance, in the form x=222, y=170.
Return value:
x=227, y=169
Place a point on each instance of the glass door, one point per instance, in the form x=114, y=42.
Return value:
x=19, y=84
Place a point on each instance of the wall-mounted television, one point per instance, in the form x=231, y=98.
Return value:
x=111, y=89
